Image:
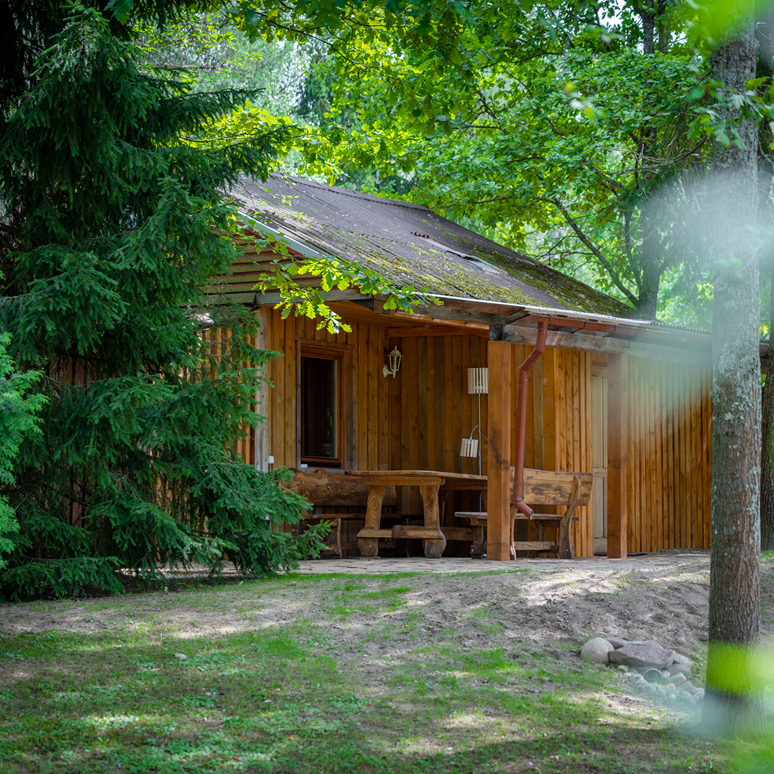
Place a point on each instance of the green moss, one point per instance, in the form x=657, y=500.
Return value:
x=565, y=289
x=434, y=272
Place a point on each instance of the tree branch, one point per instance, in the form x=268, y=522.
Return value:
x=609, y=268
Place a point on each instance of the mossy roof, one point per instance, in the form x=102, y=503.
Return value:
x=412, y=245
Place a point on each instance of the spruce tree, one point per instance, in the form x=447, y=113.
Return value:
x=112, y=224
x=18, y=421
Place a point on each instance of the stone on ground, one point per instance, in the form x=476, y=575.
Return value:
x=642, y=654
x=596, y=650
x=679, y=669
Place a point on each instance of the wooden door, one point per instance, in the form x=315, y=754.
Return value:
x=599, y=455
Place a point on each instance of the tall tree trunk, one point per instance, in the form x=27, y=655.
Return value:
x=662, y=25
x=764, y=33
x=651, y=272
x=647, y=303
x=767, y=450
x=734, y=616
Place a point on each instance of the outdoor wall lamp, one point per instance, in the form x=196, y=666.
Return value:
x=393, y=360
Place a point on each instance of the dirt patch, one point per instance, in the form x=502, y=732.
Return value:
x=535, y=607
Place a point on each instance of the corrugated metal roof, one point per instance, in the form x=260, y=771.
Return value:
x=413, y=246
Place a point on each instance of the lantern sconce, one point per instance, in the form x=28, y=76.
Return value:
x=393, y=360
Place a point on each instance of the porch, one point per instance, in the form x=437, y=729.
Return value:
x=635, y=415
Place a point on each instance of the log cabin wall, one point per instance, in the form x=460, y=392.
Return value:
x=245, y=447
x=669, y=456
x=418, y=419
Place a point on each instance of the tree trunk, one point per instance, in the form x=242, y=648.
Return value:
x=767, y=450
x=764, y=33
x=647, y=302
x=734, y=616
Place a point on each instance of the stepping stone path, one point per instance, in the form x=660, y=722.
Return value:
x=657, y=672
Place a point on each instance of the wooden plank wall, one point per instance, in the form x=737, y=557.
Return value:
x=245, y=446
x=669, y=456
x=418, y=419
x=570, y=371
x=369, y=448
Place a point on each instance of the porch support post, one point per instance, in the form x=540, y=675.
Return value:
x=617, y=424
x=499, y=459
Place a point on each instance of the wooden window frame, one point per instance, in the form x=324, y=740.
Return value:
x=325, y=353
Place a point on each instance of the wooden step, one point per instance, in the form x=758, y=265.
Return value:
x=535, y=545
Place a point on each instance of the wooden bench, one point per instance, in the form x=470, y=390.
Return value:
x=326, y=488
x=541, y=487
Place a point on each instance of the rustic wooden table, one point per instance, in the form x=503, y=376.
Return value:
x=430, y=483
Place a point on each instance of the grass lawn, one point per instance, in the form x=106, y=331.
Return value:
x=323, y=674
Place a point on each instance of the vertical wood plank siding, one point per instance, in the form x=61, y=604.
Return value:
x=670, y=456
x=418, y=419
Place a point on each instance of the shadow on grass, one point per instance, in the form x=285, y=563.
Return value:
x=281, y=700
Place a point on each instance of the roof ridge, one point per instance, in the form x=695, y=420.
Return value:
x=353, y=194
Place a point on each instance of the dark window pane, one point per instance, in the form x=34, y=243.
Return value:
x=319, y=408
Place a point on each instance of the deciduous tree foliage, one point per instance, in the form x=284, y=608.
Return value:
x=112, y=225
x=559, y=126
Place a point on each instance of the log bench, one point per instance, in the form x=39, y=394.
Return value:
x=326, y=488
x=541, y=488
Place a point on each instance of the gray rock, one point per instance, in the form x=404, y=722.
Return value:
x=677, y=679
x=699, y=694
x=596, y=651
x=623, y=668
x=644, y=654
x=690, y=688
x=680, y=659
x=652, y=643
x=683, y=669
x=665, y=675
x=616, y=642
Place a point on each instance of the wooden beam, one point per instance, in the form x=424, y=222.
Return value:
x=465, y=315
x=439, y=330
x=694, y=354
x=562, y=340
x=428, y=319
x=617, y=430
x=499, y=465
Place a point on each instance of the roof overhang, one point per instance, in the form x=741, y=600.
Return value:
x=567, y=329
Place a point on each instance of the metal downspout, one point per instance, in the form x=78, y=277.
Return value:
x=521, y=418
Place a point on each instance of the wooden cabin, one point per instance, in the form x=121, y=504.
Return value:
x=625, y=399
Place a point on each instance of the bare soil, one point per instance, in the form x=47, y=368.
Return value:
x=541, y=606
